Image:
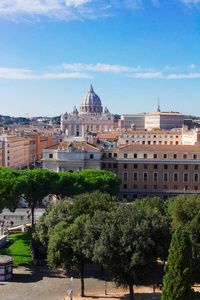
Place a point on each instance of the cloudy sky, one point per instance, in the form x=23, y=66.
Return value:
x=132, y=51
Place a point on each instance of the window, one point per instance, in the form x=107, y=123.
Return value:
x=91, y=156
x=171, y=136
x=143, y=136
x=8, y=152
x=125, y=155
x=165, y=187
x=104, y=155
x=176, y=143
x=125, y=166
x=160, y=142
x=145, y=176
x=155, y=167
x=196, y=167
x=145, y=166
x=185, y=177
x=185, y=187
x=109, y=166
x=104, y=165
x=154, y=142
x=135, y=155
x=165, y=167
x=125, y=186
x=149, y=142
x=125, y=176
x=135, y=166
x=135, y=176
x=175, y=167
x=185, y=167
x=175, y=187
x=155, y=187
x=145, y=187
x=155, y=156
x=165, y=177
x=194, y=156
x=134, y=196
x=196, y=188
x=50, y=155
x=8, y=158
x=175, y=156
x=115, y=166
x=115, y=154
x=109, y=155
x=196, y=177
x=165, y=142
x=124, y=196
x=175, y=179
x=184, y=156
x=143, y=142
x=135, y=186
x=164, y=155
x=145, y=155
x=154, y=136
x=155, y=177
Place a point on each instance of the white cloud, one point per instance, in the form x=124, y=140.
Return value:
x=99, y=68
x=34, y=10
x=9, y=73
x=192, y=67
x=184, y=76
x=147, y=75
x=79, y=70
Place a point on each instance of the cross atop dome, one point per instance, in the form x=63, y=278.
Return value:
x=91, y=90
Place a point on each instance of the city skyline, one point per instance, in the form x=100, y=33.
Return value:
x=132, y=52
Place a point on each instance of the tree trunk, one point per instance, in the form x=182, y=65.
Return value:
x=131, y=292
x=32, y=216
x=81, y=272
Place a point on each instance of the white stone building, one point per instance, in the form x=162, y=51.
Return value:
x=91, y=115
x=68, y=156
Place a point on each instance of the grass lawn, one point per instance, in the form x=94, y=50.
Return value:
x=18, y=248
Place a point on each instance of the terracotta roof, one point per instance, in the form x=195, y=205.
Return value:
x=167, y=113
x=153, y=132
x=77, y=145
x=161, y=148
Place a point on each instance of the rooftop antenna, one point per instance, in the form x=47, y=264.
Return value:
x=158, y=109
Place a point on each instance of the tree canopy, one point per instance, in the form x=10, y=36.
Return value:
x=127, y=243
x=178, y=280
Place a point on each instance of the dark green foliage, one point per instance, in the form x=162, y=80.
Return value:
x=177, y=281
x=89, y=203
x=66, y=247
x=127, y=243
x=185, y=210
x=34, y=185
x=70, y=184
x=8, y=192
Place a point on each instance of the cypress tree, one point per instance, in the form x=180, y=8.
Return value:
x=178, y=280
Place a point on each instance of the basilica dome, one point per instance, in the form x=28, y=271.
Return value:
x=91, y=103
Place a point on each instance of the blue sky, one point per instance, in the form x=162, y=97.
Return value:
x=132, y=51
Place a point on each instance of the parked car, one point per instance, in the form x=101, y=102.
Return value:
x=24, y=204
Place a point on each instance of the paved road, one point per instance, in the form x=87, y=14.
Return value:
x=19, y=216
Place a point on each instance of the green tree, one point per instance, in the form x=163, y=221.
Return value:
x=185, y=210
x=89, y=203
x=178, y=279
x=54, y=214
x=66, y=247
x=34, y=185
x=127, y=244
x=9, y=196
x=70, y=184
